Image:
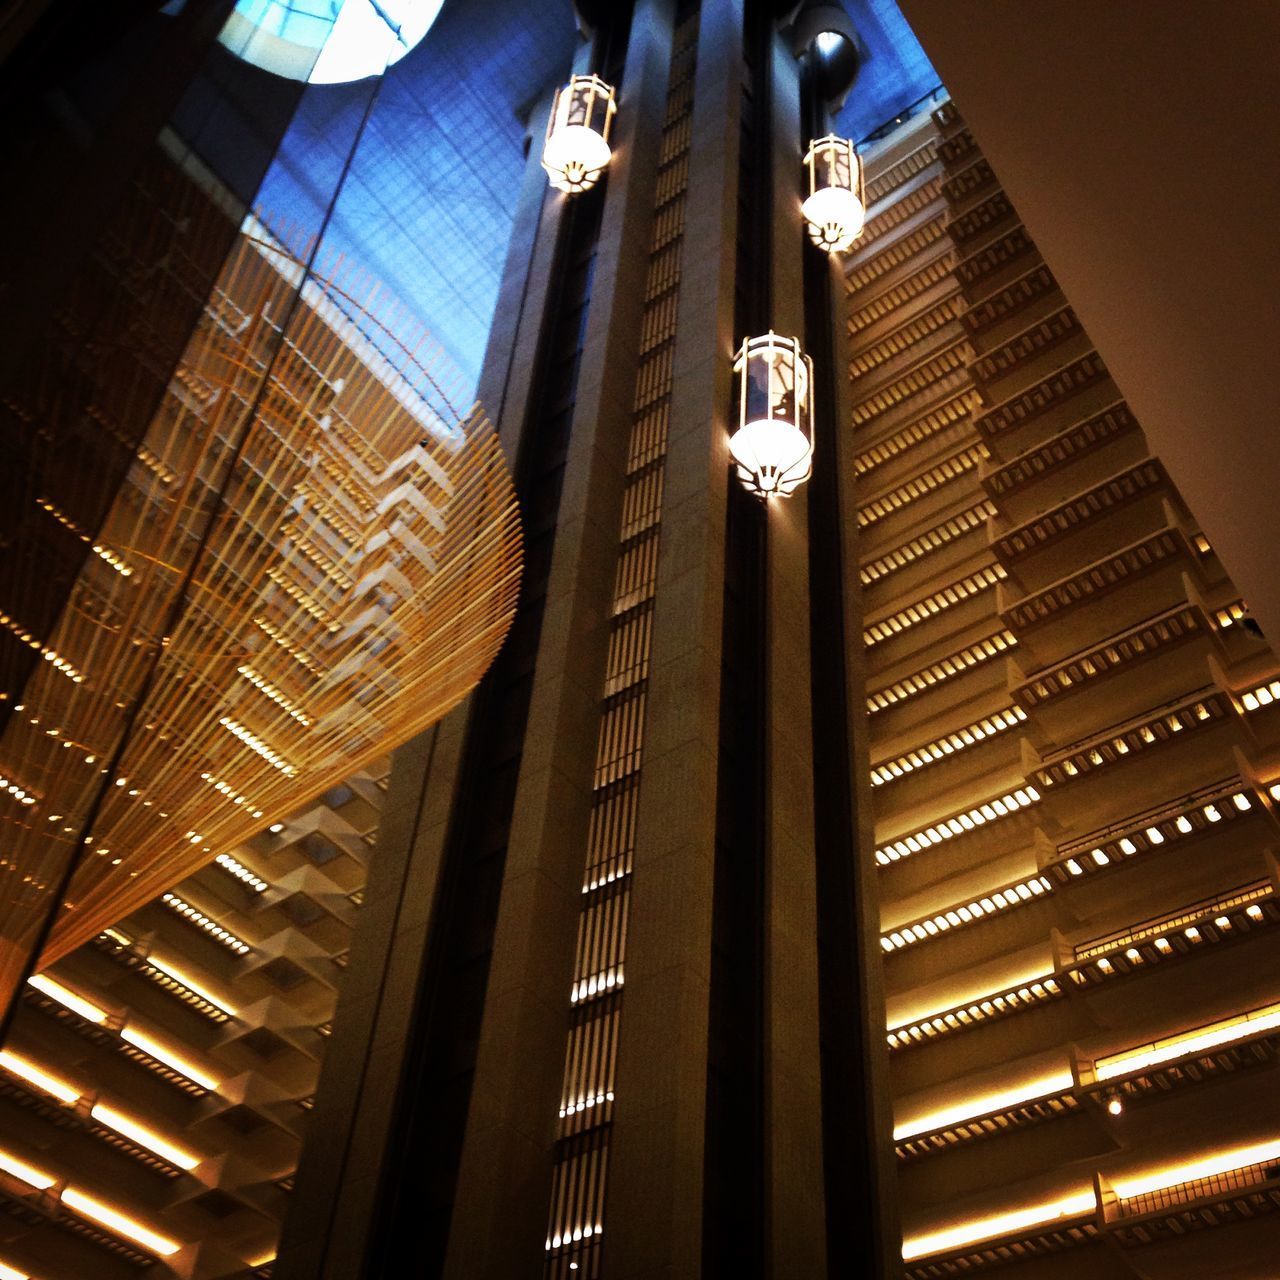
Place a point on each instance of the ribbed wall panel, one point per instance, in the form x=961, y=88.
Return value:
x=587, y=1098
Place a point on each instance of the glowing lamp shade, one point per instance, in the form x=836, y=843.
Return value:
x=577, y=147
x=773, y=443
x=836, y=207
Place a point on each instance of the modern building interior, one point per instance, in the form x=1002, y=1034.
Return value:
x=636, y=640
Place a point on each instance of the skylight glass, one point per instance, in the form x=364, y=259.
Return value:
x=327, y=41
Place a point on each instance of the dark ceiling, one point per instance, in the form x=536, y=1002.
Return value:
x=1139, y=144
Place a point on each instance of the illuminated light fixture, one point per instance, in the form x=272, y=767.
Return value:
x=835, y=209
x=120, y=1223
x=276, y=828
x=986, y=1104
x=773, y=443
x=1206, y=1167
x=178, y=975
x=210, y=926
x=25, y=1172
x=1115, y=1105
x=67, y=998
x=12, y=1273
x=144, y=1137
x=576, y=150
x=241, y=873
x=161, y=1053
x=1003, y=1224
x=29, y=1071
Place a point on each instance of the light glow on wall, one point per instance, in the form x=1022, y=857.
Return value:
x=1205, y=1167
x=1002, y=1224
x=179, y=975
x=120, y=1223
x=1197, y=1041
x=162, y=1053
x=1054, y=1083
x=977, y=999
x=144, y=1137
x=25, y=1172
x=66, y=997
x=958, y=824
x=27, y=1070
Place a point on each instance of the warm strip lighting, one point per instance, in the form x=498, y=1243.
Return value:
x=954, y=665
x=988, y=811
x=1013, y=895
x=956, y=527
x=1209, y=1037
x=144, y=1137
x=242, y=873
x=924, y=483
x=27, y=1070
x=56, y=991
x=119, y=1222
x=924, y=1024
x=161, y=1053
x=968, y=736
x=1263, y=696
x=1171, y=824
x=190, y=983
x=12, y=1273
x=986, y=1104
x=982, y=580
x=1003, y=1224
x=1206, y=1167
x=25, y=1172
x=210, y=926
x=1231, y=614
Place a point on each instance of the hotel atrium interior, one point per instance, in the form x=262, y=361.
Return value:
x=636, y=640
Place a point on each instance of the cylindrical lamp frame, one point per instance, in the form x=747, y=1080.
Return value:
x=576, y=149
x=772, y=446
x=835, y=209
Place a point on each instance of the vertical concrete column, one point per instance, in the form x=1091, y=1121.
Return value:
x=506, y=1170
x=326, y=1229
x=655, y=1195
x=795, y=1236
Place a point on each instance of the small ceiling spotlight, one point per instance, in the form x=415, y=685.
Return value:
x=835, y=209
x=1115, y=1105
x=773, y=443
x=276, y=828
x=577, y=147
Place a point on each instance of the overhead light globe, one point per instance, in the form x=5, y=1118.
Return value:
x=772, y=446
x=576, y=150
x=835, y=210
